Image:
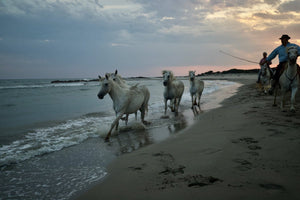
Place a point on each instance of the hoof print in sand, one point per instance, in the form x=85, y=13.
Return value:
x=272, y=186
x=244, y=165
x=174, y=171
x=254, y=147
x=247, y=140
x=137, y=168
x=200, y=181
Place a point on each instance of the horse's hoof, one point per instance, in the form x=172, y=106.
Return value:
x=165, y=117
x=106, y=139
x=274, y=105
x=293, y=110
x=146, y=122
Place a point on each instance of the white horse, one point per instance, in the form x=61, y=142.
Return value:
x=125, y=101
x=196, y=89
x=122, y=83
x=289, y=79
x=265, y=78
x=173, y=91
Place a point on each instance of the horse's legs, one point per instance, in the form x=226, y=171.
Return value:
x=173, y=105
x=199, y=97
x=142, y=114
x=275, y=95
x=166, y=106
x=192, y=96
x=126, y=119
x=294, y=91
x=117, y=125
x=115, y=122
x=177, y=102
x=283, y=91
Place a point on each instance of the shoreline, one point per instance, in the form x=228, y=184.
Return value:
x=244, y=149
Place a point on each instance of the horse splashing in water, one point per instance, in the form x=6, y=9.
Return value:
x=289, y=79
x=196, y=89
x=173, y=91
x=125, y=100
x=265, y=79
x=122, y=83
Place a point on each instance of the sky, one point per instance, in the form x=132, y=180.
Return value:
x=87, y=38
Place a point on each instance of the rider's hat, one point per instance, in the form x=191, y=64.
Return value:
x=285, y=36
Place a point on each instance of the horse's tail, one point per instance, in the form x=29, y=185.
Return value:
x=146, y=98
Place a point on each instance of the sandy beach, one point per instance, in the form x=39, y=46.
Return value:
x=246, y=149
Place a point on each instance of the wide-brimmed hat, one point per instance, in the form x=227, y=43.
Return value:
x=285, y=36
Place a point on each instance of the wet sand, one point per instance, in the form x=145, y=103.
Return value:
x=246, y=149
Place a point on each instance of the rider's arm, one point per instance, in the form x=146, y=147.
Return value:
x=272, y=55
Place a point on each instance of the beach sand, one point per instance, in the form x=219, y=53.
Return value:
x=246, y=149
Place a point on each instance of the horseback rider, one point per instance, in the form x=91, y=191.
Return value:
x=261, y=62
x=283, y=58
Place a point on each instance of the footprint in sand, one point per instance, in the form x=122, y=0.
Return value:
x=244, y=165
x=272, y=186
x=254, y=147
x=248, y=141
x=138, y=167
x=173, y=174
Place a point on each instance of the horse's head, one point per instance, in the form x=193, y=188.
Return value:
x=192, y=75
x=292, y=53
x=167, y=77
x=105, y=86
x=263, y=69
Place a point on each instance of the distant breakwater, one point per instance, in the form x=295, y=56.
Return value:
x=75, y=81
x=231, y=71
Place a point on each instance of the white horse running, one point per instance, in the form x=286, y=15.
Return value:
x=173, y=91
x=122, y=83
x=265, y=78
x=196, y=89
x=289, y=79
x=125, y=101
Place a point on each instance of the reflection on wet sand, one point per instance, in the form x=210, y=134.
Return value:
x=128, y=139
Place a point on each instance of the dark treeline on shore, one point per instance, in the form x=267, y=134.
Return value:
x=231, y=71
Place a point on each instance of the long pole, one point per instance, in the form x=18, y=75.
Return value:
x=238, y=57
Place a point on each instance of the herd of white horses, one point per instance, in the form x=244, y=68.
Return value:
x=129, y=99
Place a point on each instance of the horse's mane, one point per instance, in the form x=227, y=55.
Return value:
x=290, y=47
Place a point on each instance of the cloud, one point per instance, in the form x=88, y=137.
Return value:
x=290, y=6
x=91, y=36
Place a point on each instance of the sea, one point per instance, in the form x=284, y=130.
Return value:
x=52, y=134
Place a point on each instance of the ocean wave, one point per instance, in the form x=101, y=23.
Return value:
x=46, y=140
x=5, y=87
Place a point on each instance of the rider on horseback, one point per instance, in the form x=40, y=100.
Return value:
x=282, y=56
x=262, y=62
